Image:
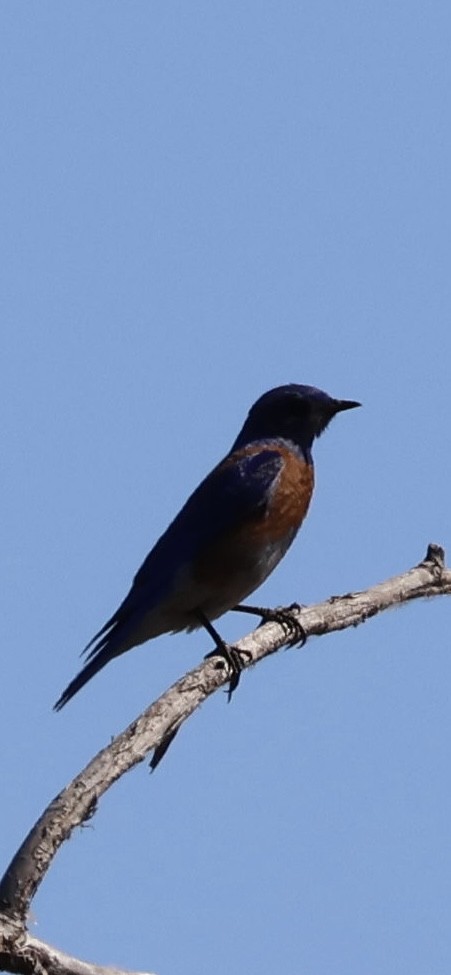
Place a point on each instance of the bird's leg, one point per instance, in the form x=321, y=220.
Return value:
x=222, y=649
x=281, y=614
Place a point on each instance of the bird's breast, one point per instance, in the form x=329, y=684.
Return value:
x=289, y=499
x=239, y=561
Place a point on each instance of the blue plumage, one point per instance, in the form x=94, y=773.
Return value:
x=229, y=535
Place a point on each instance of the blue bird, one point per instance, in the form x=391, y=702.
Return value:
x=230, y=535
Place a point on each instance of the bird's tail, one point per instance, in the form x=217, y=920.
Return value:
x=109, y=642
x=123, y=631
x=97, y=663
x=112, y=640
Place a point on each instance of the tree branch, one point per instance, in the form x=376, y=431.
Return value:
x=154, y=730
x=29, y=956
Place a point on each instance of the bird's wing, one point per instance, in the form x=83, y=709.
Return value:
x=237, y=490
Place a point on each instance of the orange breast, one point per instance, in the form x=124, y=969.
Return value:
x=290, y=500
x=248, y=553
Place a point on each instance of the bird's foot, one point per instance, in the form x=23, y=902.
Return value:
x=233, y=657
x=234, y=661
x=285, y=616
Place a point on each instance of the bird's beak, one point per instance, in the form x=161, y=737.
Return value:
x=345, y=404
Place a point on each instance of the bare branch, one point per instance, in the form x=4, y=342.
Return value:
x=156, y=728
x=28, y=956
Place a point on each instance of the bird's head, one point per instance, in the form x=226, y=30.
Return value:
x=294, y=413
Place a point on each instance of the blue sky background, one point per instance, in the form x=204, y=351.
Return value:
x=201, y=201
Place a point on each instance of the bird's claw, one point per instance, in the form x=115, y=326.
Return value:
x=284, y=615
x=233, y=658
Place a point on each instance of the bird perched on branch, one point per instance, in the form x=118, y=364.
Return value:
x=228, y=537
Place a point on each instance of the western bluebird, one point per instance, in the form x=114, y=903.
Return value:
x=229, y=536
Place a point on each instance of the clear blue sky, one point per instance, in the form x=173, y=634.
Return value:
x=201, y=201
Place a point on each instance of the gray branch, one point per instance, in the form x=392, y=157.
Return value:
x=153, y=731
x=28, y=956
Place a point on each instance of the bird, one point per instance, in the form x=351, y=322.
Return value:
x=229, y=536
